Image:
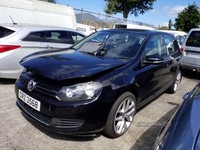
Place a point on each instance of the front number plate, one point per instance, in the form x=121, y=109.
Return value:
x=35, y=104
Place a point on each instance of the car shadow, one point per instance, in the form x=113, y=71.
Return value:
x=7, y=81
x=64, y=137
x=191, y=75
x=147, y=139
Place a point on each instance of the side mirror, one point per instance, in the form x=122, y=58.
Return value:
x=185, y=96
x=154, y=59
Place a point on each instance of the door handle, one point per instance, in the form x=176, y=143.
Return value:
x=48, y=47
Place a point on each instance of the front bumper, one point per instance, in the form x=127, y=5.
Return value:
x=64, y=117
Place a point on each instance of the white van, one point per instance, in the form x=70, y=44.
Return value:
x=131, y=26
x=37, y=12
x=86, y=29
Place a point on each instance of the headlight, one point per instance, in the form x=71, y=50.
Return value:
x=82, y=91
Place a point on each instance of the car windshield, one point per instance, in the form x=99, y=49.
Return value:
x=112, y=44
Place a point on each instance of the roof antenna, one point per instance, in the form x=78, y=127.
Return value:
x=12, y=20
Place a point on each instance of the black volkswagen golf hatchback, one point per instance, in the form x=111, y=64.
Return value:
x=99, y=83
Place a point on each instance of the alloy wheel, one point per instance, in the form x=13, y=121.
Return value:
x=178, y=81
x=124, y=115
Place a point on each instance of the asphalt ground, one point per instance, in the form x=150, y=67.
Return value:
x=18, y=133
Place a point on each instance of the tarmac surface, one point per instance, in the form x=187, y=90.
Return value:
x=18, y=133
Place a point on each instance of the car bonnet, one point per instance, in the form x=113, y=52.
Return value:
x=66, y=64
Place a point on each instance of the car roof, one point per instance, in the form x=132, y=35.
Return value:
x=195, y=29
x=143, y=31
x=35, y=27
x=174, y=32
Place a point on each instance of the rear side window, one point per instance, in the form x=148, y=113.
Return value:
x=5, y=32
x=193, y=39
x=34, y=36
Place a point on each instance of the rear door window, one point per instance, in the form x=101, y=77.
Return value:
x=5, y=32
x=193, y=39
x=61, y=37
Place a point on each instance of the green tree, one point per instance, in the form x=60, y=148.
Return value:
x=127, y=7
x=188, y=18
x=170, y=24
x=163, y=28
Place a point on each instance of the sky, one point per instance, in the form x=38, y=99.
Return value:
x=163, y=10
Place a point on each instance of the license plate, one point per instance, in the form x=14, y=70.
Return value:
x=35, y=104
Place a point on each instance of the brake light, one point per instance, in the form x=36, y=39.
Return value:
x=181, y=49
x=5, y=48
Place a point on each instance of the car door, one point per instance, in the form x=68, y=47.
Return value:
x=172, y=59
x=169, y=60
x=152, y=77
x=30, y=43
x=54, y=40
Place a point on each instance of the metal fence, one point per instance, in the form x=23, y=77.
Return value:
x=99, y=20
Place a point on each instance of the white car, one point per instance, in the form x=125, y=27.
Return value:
x=191, y=51
x=19, y=40
x=179, y=35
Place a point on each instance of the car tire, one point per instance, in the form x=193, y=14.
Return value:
x=174, y=87
x=121, y=115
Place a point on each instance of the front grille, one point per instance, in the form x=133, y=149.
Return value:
x=34, y=114
x=44, y=88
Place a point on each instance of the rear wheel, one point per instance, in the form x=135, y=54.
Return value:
x=121, y=115
x=174, y=87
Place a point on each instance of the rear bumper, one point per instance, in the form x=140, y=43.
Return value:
x=191, y=63
x=10, y=74
x=9, y=66
x=191, y=67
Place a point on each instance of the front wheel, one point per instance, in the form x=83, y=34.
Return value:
x=174, y=87
x=121, y=115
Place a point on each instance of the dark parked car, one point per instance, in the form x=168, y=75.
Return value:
x=98, y=83
x=182, y=132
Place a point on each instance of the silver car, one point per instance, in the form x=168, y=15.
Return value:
x=19, y=40
x=191, y=51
